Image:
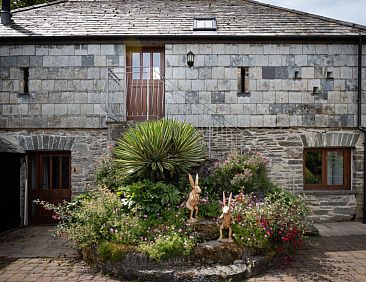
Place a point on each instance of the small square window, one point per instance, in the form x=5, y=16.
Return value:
x=204, y=24
x=327, y=168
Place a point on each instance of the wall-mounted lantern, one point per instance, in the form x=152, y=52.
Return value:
x=190, y=59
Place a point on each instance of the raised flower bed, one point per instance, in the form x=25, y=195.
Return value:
x=137, y=226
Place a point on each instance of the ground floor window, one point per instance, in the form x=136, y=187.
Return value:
x=327, y=168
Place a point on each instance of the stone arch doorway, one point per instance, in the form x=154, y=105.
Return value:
x=49, y=173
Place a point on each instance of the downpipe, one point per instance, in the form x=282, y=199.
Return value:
x=359, y=122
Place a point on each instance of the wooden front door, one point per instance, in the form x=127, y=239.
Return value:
x=145, y=84
x=49, y=180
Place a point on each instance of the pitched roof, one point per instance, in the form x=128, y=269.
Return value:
x=83, y=18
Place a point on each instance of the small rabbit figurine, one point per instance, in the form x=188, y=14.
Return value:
x=227, y=219
x=194, y=198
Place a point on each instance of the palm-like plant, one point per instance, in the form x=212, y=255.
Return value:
x=159, y=149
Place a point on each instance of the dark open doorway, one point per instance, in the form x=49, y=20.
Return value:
x=11, y=159
x=10, y=213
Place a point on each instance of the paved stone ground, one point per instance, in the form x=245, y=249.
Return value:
x=338, y=255
x=31, y=254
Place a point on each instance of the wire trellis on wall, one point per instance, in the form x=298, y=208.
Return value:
x=220, y=135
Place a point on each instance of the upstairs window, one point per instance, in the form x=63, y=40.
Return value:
x=25, y=81
x=243, y=80
x=204, y=24
x=327, y=168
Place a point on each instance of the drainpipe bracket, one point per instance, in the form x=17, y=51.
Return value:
x=6, y=17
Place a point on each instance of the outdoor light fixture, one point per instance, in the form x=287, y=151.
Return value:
x=190, y=59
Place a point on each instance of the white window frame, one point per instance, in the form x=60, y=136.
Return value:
x=209, y=23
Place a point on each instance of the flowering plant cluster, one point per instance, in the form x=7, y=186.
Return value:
x=278, y=219
x=150, y=217
x=240, y=173
x=100, y=219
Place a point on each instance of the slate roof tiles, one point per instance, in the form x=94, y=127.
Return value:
x=169, y=18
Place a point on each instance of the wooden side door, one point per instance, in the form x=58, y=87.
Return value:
x=145, y=84
x=49, y=180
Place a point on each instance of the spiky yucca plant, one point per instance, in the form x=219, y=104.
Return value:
x=159, y=149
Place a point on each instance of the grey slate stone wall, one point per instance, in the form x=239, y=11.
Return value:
x=207, y=94
x=279, y=116
x=328, y=206
x=66, y=85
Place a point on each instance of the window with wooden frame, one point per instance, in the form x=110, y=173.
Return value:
x=327, y=169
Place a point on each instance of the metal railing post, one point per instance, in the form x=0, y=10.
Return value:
x=147, y=94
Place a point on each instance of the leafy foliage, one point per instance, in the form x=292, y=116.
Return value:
x=167, y=246
x=210, y=206
x=101, y=219
x=278, y=219
x=114, y=251
x=159, y=150
x=150, y=217
x=107, y=174
x=240, y=173
x=88, y=220
x=149, y=198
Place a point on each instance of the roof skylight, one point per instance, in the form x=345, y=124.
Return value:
x=207, y=23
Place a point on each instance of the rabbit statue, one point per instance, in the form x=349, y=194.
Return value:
x=194, y=198
x=227, y=219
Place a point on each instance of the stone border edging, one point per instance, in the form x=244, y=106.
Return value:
x=180, y=272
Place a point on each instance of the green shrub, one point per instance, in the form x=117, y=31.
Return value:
x=276, y=220
x=90, y=219
x=210, y=206
x=148, y=197
x=249, y=233
x=287, y=222
x=159, y=150
x=240, y=173
x=168, y=246
x=108, y=175
x=113, y=251
x=101, y=219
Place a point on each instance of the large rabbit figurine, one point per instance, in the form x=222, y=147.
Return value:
x=194, y=198
x=227, y=219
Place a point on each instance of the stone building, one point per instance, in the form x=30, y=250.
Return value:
x=251, y=76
